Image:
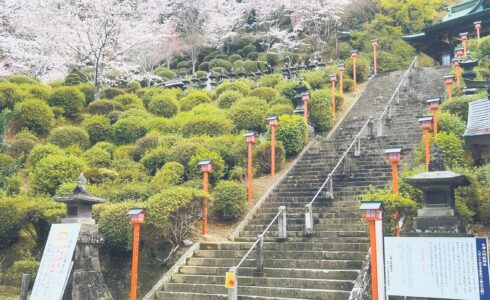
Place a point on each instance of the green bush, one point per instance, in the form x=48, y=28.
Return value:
x=128, y=130
x=250, y=66
x=22, y=146
x=348, y=85
x=104, y=107
x=193, y=99
x=27, y=265
x=159, y=124
x=292, y=133
x=54, y=170
x=241, y=86
x=220, y=63
x=129, y=101
x=111, y=93
x=38, y=91
x=154, y=159
x=41, y=151
x=363, y=68
x=144, y=144
x=99, y=175
x=172, y=173
x=219, y=166
x=246, y=50
x=133, y=86
x=249, y=113
x=230, y=200
x=22, y=79
x=315, y=78
x=204, y=67
x=12, y=221
x=320, y=110
x=272, y=59
x=87, y=90
x=253, y=56
x=69, y=98
x=280, y=109
x=452, y=148
x=484, y=47
x=163, y=105
x=165, y=73
x=266, y=93
x=458, y=106
x=98, y=128
x=135, y=113
x=227, y=98
x=68, y=136
x=287, y=89
x=97, y=158
x=73, y=79
x=234, y=57
x=206, y=125
x=271, y=80
x=34, y=115
x=10, y=94
x=262, y=157
x=184, y=65
x=114, y=226
x=450, y=123
x=183, y=150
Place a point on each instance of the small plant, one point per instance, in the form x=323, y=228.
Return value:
x=230, y=200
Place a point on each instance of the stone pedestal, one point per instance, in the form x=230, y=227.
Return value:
x=435, y=220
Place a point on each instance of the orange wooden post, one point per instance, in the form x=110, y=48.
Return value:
x=333, y=79
x=306, y=98
x=372, y=212
x=464, y=38
x=137, y=217
x=353, y=54
x=425, y=124
x=206, y=168
x=478, y=28
x=375, y=45
x=448, y=80
x=434, y=104
x=273, y=123
x=341, y=68
x=250, y=139
x=394, y=154
x=457, y=69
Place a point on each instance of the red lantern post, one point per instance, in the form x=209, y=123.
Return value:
x=464, y=38
x=374, y=43
x=273, y=124
x=206, y=168
x=477, y=28
x=393, y=154
x=434, y=104
x=457, y=69
x=250, y=140
x=306, y=98
x=341, y=68
x=425, y=125
x=448, y=80
x=333, y=79
x=137, y=217
x=353, y=54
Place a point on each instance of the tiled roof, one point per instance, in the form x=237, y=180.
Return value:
x=478, y=118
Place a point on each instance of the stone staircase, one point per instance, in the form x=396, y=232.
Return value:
x=325, y=265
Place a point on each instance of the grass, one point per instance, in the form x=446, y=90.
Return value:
x=9, y=293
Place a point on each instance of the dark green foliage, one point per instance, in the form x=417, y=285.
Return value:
x=220, y=63
x=165, y=73
x=458, y=106
x=112, y=93
x=266, y=93
x=250, y=66
x=164, y=105
x=129, y=101
x=246, y=50
x=184, y=65
x=201, y=74
x=292, y=133
x=204, y=67
x=26, y=265
x=280, y=109
x=272, y=59
x=114, y=226
x=271, y=80
x=97, y=157
x=99, y=175
x=128, y=130
x=253, y=56
x=193, y=99
x=172, y=173
x=219, y=166
x=363, y=67
x=12, y=221
x=320, y=110
x=104, y=107
x=262, y=157
x=69, y=98
x=22, y=146
x=234, y=57
x=98, y=128
x=452, y=148
x=206, y=125
x=230, y=200
x=154, y=159
x=68, y=136
x=34, y=115
x=183, y=150
x=484, y=47
x=249, y=113
x=73, y=79
x=144, y=144
x=227, y=98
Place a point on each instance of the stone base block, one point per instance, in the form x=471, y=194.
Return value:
x=436, y=224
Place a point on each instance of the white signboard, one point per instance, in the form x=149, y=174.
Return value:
x=436, y=267
x=56, y=263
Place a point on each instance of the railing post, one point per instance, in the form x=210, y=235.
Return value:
x=260, y=254
x=398, y=95
x=24, y=287
x=330, y=187
x=390, y=112
x=308, y=220
x=370, y=127
x=416, y=64
x=357, y=150
x=233, y=292
x=380, y=127
x=282, y=224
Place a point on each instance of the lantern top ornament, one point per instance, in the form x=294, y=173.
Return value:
x=477, y=24
x=393, y=153
x=371, y=210
x=137, y=215
x=425, y=122
x=341, y=67
x=353, y=53
x=463, y=35
x=272, y=120
x=434, y=102
x=250, y=137
x=333, y=77
x=448, y=79
x=374, y=42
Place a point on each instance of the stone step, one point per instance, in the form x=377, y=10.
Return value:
x=272, y=238
x=166, y=295
x=268, y=254
x=318, y=234
x=311, y=245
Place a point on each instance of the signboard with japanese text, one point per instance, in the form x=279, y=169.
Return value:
x=437, y=267
x=56, y=262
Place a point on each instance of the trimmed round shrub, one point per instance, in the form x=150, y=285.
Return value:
x=104, y=107
x=172, y=173
x=97, y=157
x=164, y=105
x=320, y=109
x=38, y=91
x=220, y=63
x=227, y=98
x=41, y=151
x=184, y=64
x=114, y=226
x=271, y=80
x=183, y=150
x=68, y=136
x=22, y=146
x=458, y=106
x=133, y=86
x=128, y=130
x=200, y=74
x=253, y=56
x=10, y=94
x=12, y=221
x=362, y=65
x=450, y=123
x=107, y=146
x=144, y=144
x=272, y=59
x=287, y=89
x=246, y=50
x=54, y=170
x=25, y=265
x=129, y=101
x=99, y=175
x=21, y=79
x=87, y=90
x=240, y=85
x=280, y=109
x=292, y=133
x=266, y=93
x=234, y=57
x=159, y=124
x=73, y=79
x=98, y=128
x=135, y=113
x=124, y=152
x=219, y=166
x=314, y=78
x=154, y=159
x=69, y=98
x=26, y=134
x=250, y=66
x=34, y=115
x=111, y=93
x=262, y=157
x=193, y=99
x=165, y=73
x=204, y=67
x=484, y=47
x=249, y=114
x=230, y=200
x=206, y=125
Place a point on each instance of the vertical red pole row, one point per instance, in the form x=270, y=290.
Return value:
x=249, y=173
x=204, y=223
x=273, y=150
x=374, y=261
x=134, y=265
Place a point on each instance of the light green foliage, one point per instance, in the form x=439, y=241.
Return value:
x=452, y=148
x=230, y=200
x=234, y=57
x=133, y=86
x=154, y=159
x=22, y=79
x=270, y=80
x=193, y=99
x=107, y=146
x=37, y=91
x=249, y=113
x=183, y=150
x=219, y=166
x=201, y=124
x=280, y=109
x=262, y=157
x=87, y=90
x=286, y=89
x=316, y=79
x=292, y=133
x=250, y=66
x=220, y=63
x=13, y=275
x=135, y=113
x=111, y=93
x=172, y=173
x=272, y=59
x=22, y=146
x=104, y=107
x=12, y=221
x=124, y=152
x=164, y=105
x=363, y=68
x=41, y=151
x=34, y=115
x=68, y=136
x=320, y=110
x=97, y=157
x=227, y=98
x=98, y=128
x=160, y=125
x=412, y=15
x=266, y=93
x=144, y=144
x=450, y=124
x=98, y=176
x=69, y=98
x=128, y=130
x=242, y=86
x=165, y=73
x=114, y=224
x=129, y=101
x=10, y=94
x=458, y=106
x=54, y=170
x=484, y=47
x=129, y=171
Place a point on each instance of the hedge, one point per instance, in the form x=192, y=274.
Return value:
x=69, y=98
x=249, y=114
x=129, y=101
x=206, y=125
x=128, y=130
x=104, y=107
x=98, y=128
x=230, y=200
x=114, y=226
x=320, y=110
x=292, y=133
x=68, y=136
x=172, y=173
x=97, y=158
x=41, y=151
x=241, y=86
x=164, y=105
x=154, y=159
x=34, y=115
x=266, y=93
